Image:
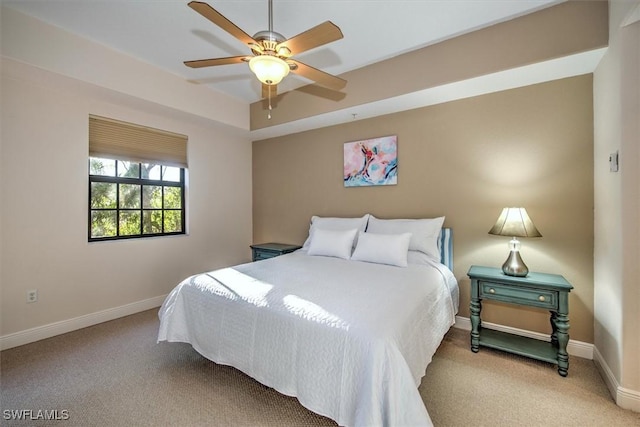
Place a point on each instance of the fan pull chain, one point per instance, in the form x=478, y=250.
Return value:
x=269, y=114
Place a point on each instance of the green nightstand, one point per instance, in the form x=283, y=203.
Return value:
x=270, y=250
x=546, y=291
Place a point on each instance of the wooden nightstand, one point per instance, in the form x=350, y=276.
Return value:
x=546, y=291
x=270, y=250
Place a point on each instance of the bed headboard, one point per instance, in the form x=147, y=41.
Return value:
x=445, y=244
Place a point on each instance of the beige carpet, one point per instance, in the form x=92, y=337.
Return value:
x=114, y=374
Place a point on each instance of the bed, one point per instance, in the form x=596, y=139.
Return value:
x=349, y=337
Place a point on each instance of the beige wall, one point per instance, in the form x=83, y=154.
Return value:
x=44, y=167
x=617, y=196
x=51, y=81
x=466, y=160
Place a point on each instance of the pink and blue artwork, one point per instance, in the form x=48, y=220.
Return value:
x=371, y=162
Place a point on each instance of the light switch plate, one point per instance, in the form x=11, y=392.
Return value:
x=613, y=162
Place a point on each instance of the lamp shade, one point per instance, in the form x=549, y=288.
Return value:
x=270, y=70
x=515, y=222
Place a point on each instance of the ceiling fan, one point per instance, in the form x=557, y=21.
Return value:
x=271, y=52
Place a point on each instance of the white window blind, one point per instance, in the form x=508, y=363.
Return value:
x=127, y=141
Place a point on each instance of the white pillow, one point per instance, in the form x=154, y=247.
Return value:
x=382, y=248
x=332, y=223
x=335, y=243
x=424, y=232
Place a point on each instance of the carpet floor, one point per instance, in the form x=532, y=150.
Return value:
x=115, y=374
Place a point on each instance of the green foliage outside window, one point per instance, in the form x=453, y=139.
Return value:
x=129, y=199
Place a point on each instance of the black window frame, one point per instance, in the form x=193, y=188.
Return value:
x=141, y=182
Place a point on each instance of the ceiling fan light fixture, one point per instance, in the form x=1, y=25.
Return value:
x=270, y=70
x=284, y=51
x=271, y=53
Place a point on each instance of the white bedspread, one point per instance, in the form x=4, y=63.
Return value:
x=351, y=340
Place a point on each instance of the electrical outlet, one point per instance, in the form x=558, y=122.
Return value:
x=32, y=295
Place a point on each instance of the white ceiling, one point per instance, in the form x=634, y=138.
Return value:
x=167, y=32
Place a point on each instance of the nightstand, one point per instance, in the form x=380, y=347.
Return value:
x=540, y=290
x=270, y=250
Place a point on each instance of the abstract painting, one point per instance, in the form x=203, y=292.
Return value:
x=371, y=162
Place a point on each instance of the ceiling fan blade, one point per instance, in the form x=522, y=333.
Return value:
x=317, y=36
x=216, y=17
x=325, y=79
x=199, y=63
x=269, y=88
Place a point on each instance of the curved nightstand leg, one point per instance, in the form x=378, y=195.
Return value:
x=475, y=308
x=554, y=329
x=562, y=323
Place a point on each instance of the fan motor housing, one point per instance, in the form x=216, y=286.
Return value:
x=269, y=39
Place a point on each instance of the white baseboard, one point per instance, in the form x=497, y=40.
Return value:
x=628, y=399
x=52, y=329
x=624, y=397
x=574, y=348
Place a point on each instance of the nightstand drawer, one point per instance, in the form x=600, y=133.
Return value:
x=519, y=295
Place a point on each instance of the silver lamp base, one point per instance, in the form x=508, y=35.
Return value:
x=514, y=266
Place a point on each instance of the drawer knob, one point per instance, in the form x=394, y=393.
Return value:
x=541, y=298
x=492, y=291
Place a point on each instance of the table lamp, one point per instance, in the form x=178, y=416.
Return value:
x=515, y=222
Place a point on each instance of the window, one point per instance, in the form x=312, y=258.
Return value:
x=128, y=199
x=136, y=181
